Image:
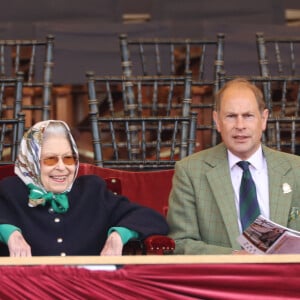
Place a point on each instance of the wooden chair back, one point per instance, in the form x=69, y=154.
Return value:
x=167, y=56
x=35, y=59
x=278, y=55
x=136, y=96
x=204, y=58
x=11, y=133
x=139, y=143
x=282, y=134
x=145, y=119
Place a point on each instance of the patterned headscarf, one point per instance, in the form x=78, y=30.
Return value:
x=28, y=166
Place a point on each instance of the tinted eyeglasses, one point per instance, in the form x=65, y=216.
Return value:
x=68, y=160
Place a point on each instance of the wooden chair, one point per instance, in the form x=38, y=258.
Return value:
x=35, y=59
x=135, y=119
x=278, y=55
x=205, y=59
x=11, y=117
x=162, y=56
x=150, y=189
x=11, y=133
x=167, y=56
x=135, y=96
x=11, y=96
x=282, y=134
x=142, y=142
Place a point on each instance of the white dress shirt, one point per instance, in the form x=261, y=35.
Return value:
x=259, y=171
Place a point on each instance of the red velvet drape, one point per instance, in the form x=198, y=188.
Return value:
x=149, y=188
x=176, y=282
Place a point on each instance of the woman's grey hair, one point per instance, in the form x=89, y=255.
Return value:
x=56, y=129
x=60, y=129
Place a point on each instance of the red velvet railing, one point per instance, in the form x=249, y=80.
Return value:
x=176, y=281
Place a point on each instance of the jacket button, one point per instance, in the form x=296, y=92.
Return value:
x=57, y=220
x=63, y=254
x=59, y=240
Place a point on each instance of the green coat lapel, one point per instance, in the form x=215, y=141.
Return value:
x=223, y=192
x=280, y=200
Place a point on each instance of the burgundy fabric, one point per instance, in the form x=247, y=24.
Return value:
x=149, y=188
x=6, y=170
x=159, y=245
x=176, y=282
x=114, y=184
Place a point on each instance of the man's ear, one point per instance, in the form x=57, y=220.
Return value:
x=265, y=116
x=216, y=120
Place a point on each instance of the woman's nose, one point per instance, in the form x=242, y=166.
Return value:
x=60, y=164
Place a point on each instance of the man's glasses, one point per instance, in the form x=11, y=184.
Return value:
x=68, y=160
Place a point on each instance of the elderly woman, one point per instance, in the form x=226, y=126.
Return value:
x=46, y=210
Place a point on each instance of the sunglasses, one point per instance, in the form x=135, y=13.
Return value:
x=68, y=160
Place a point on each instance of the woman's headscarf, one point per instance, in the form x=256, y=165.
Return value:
x=28, y=166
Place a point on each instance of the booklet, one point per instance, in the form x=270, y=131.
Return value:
x=266, y=237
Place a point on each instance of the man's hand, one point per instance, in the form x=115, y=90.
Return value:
x=113, y=245
x=17, y=245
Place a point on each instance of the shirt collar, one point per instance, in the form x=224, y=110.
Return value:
x=256, y=160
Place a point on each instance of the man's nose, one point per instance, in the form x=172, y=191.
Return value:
x=239, y=122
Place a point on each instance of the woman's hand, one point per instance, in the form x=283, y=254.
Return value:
x=17, y=245
x=113, y=245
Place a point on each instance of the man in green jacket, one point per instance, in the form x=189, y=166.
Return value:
x=204, y=214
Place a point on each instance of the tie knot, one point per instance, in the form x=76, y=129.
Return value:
x=244, y=165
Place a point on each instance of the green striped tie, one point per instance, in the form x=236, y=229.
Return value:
x=249, y=208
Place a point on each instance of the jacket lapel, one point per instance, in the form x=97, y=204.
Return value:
x=219, y=180
x=280, y=187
